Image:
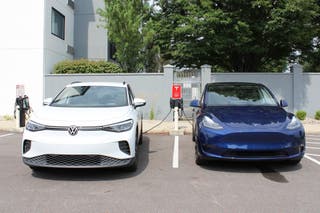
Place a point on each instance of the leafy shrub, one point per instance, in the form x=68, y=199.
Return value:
x=301, y=115
x=151, y=116
x=7, y=117
x=85, y=66
x=317, y=116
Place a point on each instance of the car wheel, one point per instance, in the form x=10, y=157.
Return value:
x=133, y=166
x=141, y=135
x=198, y=159
x=193, y=134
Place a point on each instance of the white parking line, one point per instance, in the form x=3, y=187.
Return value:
x=317, y=136
x=175, y=159
x=312, y=159
x=312, y=154
x=6, y=135
x=318, y=143
x=313, y=139
x=311, y=147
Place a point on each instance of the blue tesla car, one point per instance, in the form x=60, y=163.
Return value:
x=244, y=121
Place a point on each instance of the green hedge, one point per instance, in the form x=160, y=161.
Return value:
x=301, y=115
x=317, y=116
x=85, y=66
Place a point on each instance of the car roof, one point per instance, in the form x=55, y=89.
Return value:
x=113, y=84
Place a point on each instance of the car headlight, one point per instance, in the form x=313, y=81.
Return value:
x=208, y=122
x=119, y=127
x=33, y=126
x=294, y=123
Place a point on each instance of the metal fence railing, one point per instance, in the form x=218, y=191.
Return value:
x=190, y=80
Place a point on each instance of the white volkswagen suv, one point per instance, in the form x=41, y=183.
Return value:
x=87, y=125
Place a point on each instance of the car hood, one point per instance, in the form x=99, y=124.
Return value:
x=249, y=116
x=65, y=116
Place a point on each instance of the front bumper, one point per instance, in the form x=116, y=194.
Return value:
x=87, y=149
x=251, y=146
x=76, y=161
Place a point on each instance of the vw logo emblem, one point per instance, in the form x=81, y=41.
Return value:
x=73, y=130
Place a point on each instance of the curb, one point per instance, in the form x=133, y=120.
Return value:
x=9, y=126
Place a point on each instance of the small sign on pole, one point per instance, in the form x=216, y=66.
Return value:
x=20, y=92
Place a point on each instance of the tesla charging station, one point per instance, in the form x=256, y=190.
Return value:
x=176, y=103
x=21, y=106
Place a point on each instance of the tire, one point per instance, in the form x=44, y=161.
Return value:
x=133, y=165
x=141, y=135
x=193, y=136
x=198, y=159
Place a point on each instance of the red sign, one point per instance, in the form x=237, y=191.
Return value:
x=176, y=91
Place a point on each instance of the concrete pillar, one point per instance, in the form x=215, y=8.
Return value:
x=168, y=76
x=297, y=91
x=167, y=84
x=205, y=75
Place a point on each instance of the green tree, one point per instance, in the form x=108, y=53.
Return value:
x=125, y=21
x=311, y=59
x=234, y=35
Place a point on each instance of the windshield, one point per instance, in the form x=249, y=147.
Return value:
x=238, y=95
x=91, y=96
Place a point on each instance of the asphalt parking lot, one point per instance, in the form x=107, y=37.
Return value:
x=167, y=180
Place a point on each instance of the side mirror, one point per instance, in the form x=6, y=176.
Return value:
x=195, y=103
x=138, y=102
x=47, y=101
x=283, y=103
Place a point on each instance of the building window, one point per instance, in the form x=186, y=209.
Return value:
x=57, y=23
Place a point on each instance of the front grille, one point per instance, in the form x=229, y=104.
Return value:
x=75, y=161
x=254, y=154
x=262, y=153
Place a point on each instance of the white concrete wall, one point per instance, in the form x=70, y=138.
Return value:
x=28, y=50
x=55, y=49
x=310, y=101
x=21, y=51
x=90, y=36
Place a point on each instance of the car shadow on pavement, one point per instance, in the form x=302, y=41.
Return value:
x=273, y=171
x=102, y=174
x=249, y=167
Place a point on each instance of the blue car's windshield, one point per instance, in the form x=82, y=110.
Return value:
x=91, y=96
x=238, y=95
